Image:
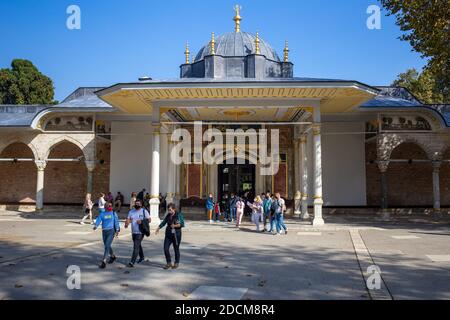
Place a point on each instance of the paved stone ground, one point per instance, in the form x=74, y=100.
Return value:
x=413, y=254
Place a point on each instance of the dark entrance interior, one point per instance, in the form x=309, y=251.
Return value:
x=237, y=178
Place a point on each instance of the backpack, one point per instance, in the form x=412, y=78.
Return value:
x=144, y=227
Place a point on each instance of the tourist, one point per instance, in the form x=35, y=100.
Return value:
x=233, y=206
x=209, y=207
x=101, y=203
x=135, y=217
x=140, y=196
x=267, y=203
x=216, y=212
x=88, y=204
x=118, y=202
x=240, y=205
x=109, y=197
x=257, y=211
x=279, y=207
x=132, y=200
x=147, y=199
x=110, y=228
x=224, y=204
x=273, y=220
x=162, y=203
x=174, y=221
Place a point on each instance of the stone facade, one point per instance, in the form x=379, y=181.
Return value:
x=65, y=182
x=409, y=182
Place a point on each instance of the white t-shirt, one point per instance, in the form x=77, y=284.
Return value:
x=281, y=204
x=135, y=215
x=101, y=203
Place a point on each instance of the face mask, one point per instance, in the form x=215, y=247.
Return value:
x=109, y=209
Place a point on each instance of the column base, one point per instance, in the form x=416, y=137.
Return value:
x=385, y=214
x=318, y=220
x=154, y=211
x=304, y=212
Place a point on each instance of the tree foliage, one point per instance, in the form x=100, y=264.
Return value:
x=426, y=24
x=422, y=85
x=25, y=84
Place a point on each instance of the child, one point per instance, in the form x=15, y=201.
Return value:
x=216, y=211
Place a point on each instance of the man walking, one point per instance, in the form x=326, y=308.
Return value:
x=135, y=217
x=267, y=204
x=279, y=207
x=233, y=201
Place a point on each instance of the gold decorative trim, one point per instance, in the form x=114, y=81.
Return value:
x=286, y=52
x=187, y=53
x=316, y=129
x=237, y=19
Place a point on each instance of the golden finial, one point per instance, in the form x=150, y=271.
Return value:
x=286, y=52
x=213, y=44
x=187, y=53
x=257, y=41
x=237, y=19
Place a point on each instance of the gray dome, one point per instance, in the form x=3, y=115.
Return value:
x=237, y=44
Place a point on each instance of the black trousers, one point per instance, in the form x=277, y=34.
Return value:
x=137, y=247
x=168, y=241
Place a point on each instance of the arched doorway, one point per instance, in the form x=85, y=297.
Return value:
x=65, y=178
x=18, y=177
x=236, y=177
x=410, y=177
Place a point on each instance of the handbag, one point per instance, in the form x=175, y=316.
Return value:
x=144, y=227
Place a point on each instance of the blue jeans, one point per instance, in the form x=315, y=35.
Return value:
x=108, y=237
x=273, y=220
x=280, y=222
x=233, y=213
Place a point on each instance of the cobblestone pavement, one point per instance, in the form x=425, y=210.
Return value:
x=219, y=261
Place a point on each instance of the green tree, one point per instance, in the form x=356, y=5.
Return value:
x=25, y=84
x=426, y=26
x=422, y=85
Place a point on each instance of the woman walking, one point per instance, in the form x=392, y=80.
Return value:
x=240, y=205
x=110, y=228
x=257, y=211
x=132, y=200
x=174, y=221
x=88, y=204
x=101, y=203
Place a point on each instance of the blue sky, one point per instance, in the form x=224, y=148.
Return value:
x=121, y=40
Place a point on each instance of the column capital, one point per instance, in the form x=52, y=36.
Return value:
x=40, y=164
x=156, y=126
x=436, y=164
x=383, y=165
x=303, y=138
x=316, y=128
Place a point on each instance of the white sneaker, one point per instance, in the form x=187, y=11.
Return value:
x=82, y=223
x=210, y=221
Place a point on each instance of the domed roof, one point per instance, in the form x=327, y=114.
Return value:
x=235, y=44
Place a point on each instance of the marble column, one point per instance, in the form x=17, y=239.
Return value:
x=318, y=199
x=304, y=172
x=40, y=164
x=436, y=189
x=90, y=166
x=383, y=166
x=297, y=180
x=171, y=173
x=154, y=186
